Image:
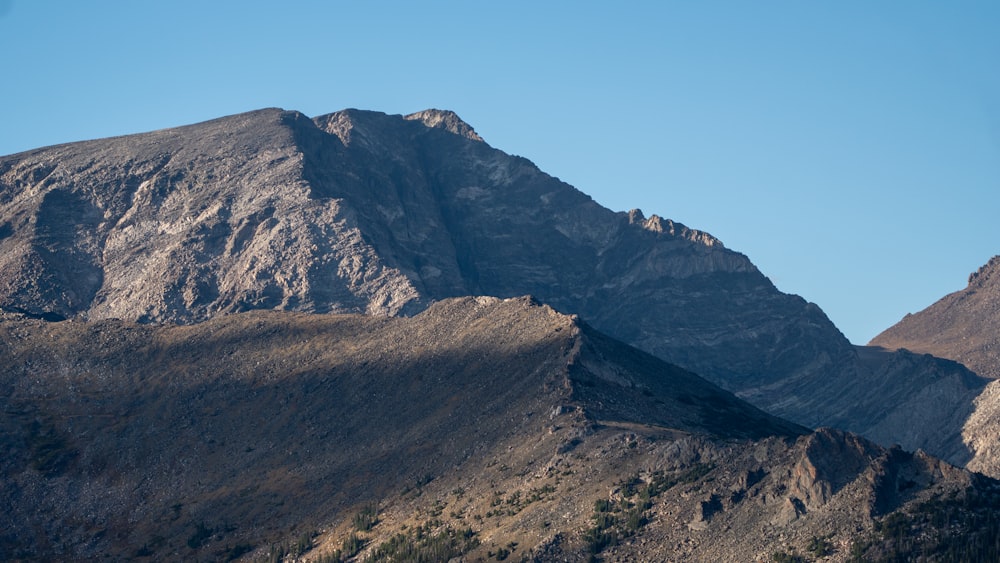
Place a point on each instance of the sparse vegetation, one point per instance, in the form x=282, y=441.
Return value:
x=515, y=502
x=424, y=544
x=820, y=546
x=201, y=535
x=418, y=486
x=965, y=527
x=303, y=543
x=615, y=520
x=502, y=553
x=351, y=546
x=366, y=519
x=785, y=557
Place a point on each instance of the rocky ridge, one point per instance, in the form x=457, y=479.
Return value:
x=476, y=428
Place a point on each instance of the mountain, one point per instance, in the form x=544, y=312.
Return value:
x=964, y=326
x=480, y=428
x=363, y=212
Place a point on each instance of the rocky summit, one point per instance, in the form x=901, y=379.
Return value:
x=363, y=212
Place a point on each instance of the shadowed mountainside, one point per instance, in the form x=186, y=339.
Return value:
x=265, y=421
x=478, y=425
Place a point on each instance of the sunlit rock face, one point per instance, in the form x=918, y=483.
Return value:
x=359, y=211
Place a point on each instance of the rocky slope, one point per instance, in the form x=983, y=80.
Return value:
x=362, y=212
x=480, y=428
x=964, y=326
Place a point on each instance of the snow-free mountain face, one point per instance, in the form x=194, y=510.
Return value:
x=964, y=326
x=475, y=426
x=192, y=408
x=363, y=212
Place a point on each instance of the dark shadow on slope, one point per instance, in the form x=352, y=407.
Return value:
x=915, y=400
x=618, y=382
x=253, y=423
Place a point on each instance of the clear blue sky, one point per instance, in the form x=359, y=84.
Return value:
x=850, y=148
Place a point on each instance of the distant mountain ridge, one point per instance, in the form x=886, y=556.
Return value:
x=963, y=326
x=363, y=212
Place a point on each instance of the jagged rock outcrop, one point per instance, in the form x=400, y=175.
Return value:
x=362, y=212
x=447, y=120
x=477, y=425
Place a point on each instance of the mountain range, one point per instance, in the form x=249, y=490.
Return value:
x=225, y=334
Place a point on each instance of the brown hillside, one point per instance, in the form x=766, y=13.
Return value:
x=480, y=428
x=963, y=326
x=261, y=423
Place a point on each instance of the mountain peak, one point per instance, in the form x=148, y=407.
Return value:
x=445, y=119
x=657, y=224
x=984, y=274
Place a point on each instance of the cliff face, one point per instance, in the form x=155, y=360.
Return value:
x=362, y=212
